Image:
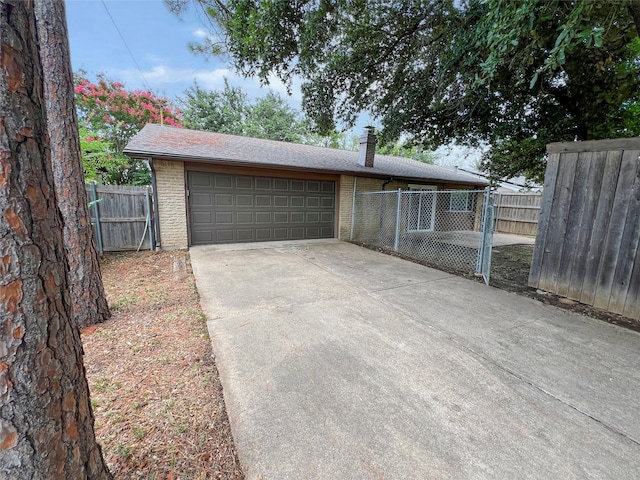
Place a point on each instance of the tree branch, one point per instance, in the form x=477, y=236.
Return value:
x=634, y=11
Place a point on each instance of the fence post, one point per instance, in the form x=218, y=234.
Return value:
x=97, y=215
x=485, y=201
x=398, y=209
x=486, y=241
x=149, y=223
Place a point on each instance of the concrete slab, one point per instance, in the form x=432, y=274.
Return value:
x=252, y=278
x=472, y=239
x=371, y=272
x=567, y=355
x=502, y=239
x=340, y=362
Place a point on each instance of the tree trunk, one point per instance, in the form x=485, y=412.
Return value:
x=634, y=11
x=85, y=281
x=46, y=422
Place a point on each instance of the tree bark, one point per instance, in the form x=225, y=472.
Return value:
x=46, y=422
x=634, y=11
x=85, y=280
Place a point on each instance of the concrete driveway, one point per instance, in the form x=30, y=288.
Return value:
x=342, y=363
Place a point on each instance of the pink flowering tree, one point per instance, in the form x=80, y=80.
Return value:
x=109, y=116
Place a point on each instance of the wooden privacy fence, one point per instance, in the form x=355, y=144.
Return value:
x=121, y=217
x=517, y=213
x=587, y=243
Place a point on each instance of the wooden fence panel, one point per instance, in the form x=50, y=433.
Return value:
x=588, y=241
x=593, y=186
x=548, y=192
x=517, y=213
x=632, y=302
x=576, y=209
x=613, y=238
x=123, y=217
x=628, y=247
x=558, y=217
x=593, y=255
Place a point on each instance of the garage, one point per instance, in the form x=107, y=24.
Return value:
x=227, y=208
x=214, y=188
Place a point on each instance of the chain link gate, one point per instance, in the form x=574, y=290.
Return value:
x=486, y=243
x=446, y=228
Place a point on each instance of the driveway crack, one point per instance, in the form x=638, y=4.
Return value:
x=543, y=390
x=511, y=372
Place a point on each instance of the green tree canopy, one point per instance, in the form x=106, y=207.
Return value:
x=272, y=117
x=223, y=111
x=400, y=149
x=514, y=75
x=230, y=110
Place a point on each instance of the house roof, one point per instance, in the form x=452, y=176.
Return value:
x=172, y=143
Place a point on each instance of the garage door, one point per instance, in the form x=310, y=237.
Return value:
x=227, y=208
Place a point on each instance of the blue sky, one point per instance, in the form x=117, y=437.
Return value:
x=159, y=42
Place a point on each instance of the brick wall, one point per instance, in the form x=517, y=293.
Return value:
x=172, y=208
x=346, y=197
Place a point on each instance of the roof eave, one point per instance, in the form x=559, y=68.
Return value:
x=244, y=163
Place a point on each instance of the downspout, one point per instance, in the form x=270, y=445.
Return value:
x=156, y=217
x=383, y=204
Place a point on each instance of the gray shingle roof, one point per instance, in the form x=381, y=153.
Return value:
x=168, y=143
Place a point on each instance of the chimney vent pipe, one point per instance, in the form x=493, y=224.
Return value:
x=367, y=148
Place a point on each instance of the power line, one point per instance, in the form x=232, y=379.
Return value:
x=126, y=45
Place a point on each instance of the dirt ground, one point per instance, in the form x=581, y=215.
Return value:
x=510, y=268
x=155, y=390
x=510, y=271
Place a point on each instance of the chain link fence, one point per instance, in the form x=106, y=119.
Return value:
x=444, y=228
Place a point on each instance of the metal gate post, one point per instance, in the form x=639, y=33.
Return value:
x=483, y=265
x=97, y=214
x=488, y=244
x=482, y=229
x=398, y=208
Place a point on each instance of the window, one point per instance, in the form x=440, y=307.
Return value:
x=422, y=208
x=460, y=201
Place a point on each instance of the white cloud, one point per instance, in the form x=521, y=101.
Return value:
x=205, y=36
x=175, y=80
x=200, y=33
x=458, y=155
x=171, y=81
x=278, y=86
